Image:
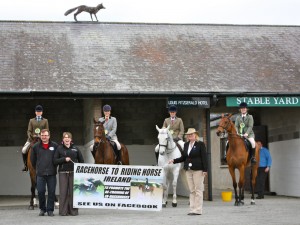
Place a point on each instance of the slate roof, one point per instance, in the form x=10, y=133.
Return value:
x=148, y=58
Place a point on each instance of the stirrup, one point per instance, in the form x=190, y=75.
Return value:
x=253, y=161
x=25, y=169
x=119, y=162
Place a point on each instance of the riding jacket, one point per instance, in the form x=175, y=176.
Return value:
x=176, y=127
x=196, y=160
x=245, y=125
x=42, y=159
x=36, y=126
x=62, y=152
x=110, y=127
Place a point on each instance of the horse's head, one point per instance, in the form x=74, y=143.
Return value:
x=224, y=125
x=164, y=136
x=100, y=6
x=99, y=133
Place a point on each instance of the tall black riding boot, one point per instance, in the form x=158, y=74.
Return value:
x=156, y=156
x=25, y=169
x=253, y=160
x=119, y=161
x=94, y=151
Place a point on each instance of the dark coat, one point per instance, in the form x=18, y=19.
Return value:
x=197, y=157
x=62, y=153
x=42, y=159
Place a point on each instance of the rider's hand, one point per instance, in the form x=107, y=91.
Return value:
x=108, y=137
x=245, y=135
x=176, y=139
x=171, y=161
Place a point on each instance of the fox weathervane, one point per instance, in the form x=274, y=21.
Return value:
x=84, y=8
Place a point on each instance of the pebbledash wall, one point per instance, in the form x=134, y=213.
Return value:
x=136, y=128
x=283, y=136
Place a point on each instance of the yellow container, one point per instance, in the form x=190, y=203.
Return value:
x=226, y=196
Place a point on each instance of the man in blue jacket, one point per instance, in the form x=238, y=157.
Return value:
x=265, y=163
x=42, y=160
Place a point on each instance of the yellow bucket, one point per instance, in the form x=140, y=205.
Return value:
x=226, y=196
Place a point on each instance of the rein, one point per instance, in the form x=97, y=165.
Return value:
x=166, y=146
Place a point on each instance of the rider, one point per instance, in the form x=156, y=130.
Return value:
x=35, y=126
x=89, y=182
x=176, y=128
x=110, y=126
x=147, y=187
x=244, y=126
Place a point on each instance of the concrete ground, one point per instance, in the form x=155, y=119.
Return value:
x=272, y=210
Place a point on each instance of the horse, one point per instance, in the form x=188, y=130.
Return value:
x=84, y=8
x=145, y=190
x=32, y=174
x=84, y=188
x=168, y=150
x=104, y=153
x=238, y=158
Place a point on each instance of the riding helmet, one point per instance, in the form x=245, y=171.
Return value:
x=243, y=105
x=106, y=108
x=39, y=108
x=172, y=108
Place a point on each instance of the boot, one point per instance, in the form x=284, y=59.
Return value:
x=119, y=162
x=94, y=151
x=253, y=160
x=25, y=169
x=156, y=156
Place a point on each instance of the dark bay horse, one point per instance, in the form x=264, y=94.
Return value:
x=238, y=158
x=104, y=150
x=32, y=173
x=84, y=8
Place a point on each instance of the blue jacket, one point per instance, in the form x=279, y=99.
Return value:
x=265, y=159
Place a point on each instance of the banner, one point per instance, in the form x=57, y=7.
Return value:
x=191, y=102
x=118, y=187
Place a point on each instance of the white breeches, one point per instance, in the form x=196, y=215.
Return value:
x=25, y=148
x=252, y=141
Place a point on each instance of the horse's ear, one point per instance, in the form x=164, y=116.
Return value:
x=168, y=127
x=95, y=121
x=157, y=128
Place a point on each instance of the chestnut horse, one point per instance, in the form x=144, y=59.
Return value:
x=32, y=173
x=104, y=151
x=238, y=158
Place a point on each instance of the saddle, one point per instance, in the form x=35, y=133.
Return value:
x=246, y=142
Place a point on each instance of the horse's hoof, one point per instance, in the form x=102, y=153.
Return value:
x=164, y=205
x=31, y=207
x=174, y=204
x=35, y=205
x=252, y=203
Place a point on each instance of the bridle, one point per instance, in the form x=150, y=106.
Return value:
x=167, y=146
x=225, y=128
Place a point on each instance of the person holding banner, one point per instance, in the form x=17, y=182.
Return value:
x=176, y=128
x=195, y=163
x=244, y=126
x=65, y=156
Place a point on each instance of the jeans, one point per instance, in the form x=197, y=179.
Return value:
x=41, y=183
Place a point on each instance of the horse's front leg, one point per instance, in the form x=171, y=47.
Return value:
x=96, y=17
x=234, y=184
x=165, y=190
x=174, y=184
x=253, y=174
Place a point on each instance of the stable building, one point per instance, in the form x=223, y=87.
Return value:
x=73, y=69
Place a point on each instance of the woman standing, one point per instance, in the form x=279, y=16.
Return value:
x=65, y=156
x=195, y=163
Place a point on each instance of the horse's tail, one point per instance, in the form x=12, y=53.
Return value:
x=70, y=11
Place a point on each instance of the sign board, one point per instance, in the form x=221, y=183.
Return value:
x=118, y=187
x=197, y=102
x=278, y=101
